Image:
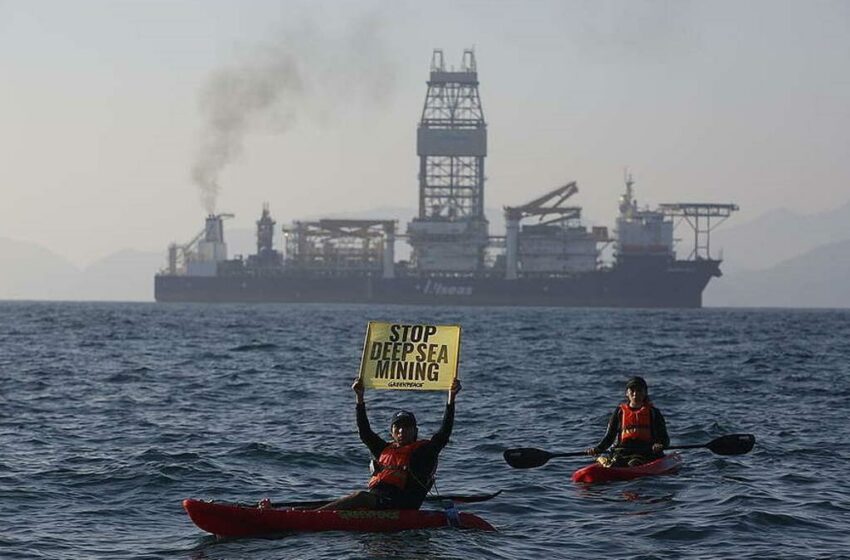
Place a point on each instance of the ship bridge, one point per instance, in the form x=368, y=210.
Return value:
x=648, y=233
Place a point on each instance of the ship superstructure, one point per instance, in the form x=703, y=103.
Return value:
x=545, y=257
x=557, y=244
x=348, y=247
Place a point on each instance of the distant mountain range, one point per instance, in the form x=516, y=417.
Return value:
x=780, y=259
x=783, y=259
x=776, y=236
x=817, y=278
x=28, y=271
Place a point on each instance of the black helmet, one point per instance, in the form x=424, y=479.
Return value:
x=404, y=418
x=637, y=382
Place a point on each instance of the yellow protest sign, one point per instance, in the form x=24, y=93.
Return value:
x=412, y=357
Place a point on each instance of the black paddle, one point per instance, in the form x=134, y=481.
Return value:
x=529, y=457
x=733, y=444
x=460, y=498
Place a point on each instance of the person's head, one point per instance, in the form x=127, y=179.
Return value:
x=636, y=391
x=403, y=427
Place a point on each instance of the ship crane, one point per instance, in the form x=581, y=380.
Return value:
x=548, y=208
x=538, y=207
x=188, y=247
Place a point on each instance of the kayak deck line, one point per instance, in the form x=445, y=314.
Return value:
x=232, y=520
x=596, y=473
x=459, y=498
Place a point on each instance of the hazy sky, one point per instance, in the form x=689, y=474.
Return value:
x=107, y=108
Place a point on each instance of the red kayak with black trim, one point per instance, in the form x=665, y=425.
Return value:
x=232, y=520
x=596, y=473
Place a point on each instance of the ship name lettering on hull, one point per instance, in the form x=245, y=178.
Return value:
x=440, y=289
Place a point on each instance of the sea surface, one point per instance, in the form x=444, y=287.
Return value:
x=111, y=414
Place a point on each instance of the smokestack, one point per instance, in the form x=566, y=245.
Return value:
x=213, y=229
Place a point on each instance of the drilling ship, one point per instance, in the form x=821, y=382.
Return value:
x=546, y=256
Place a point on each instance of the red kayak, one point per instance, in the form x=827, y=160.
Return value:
x=595, y=473
x=230, y=520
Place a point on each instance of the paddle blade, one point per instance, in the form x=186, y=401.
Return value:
x=733, y=444
x=526, y=457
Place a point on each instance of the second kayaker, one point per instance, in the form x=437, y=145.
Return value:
x=403, y=469
x=636, y=429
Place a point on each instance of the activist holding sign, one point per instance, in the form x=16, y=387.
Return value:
x=403, y=469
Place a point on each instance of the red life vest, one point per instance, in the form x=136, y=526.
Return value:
x=636, y=425
x=394, y=464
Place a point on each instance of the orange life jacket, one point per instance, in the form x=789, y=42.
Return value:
x=636, y=425
x=394, y=464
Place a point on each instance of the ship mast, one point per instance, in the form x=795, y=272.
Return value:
x=627, y=201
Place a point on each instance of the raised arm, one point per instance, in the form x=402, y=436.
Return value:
x=441, y=438
x=373, y=441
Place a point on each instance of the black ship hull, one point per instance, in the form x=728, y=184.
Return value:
x=638, y=284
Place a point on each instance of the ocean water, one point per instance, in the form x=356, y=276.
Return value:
x=111, y=414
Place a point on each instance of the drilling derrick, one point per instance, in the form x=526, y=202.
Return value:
x=450, y=233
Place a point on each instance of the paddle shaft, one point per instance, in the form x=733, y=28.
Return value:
x=463, y=498
x=529, y=457
x=569, y=454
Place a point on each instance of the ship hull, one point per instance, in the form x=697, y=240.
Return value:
x=677, y=284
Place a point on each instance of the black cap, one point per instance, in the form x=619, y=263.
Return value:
x=404, y=418
x=636, y=381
